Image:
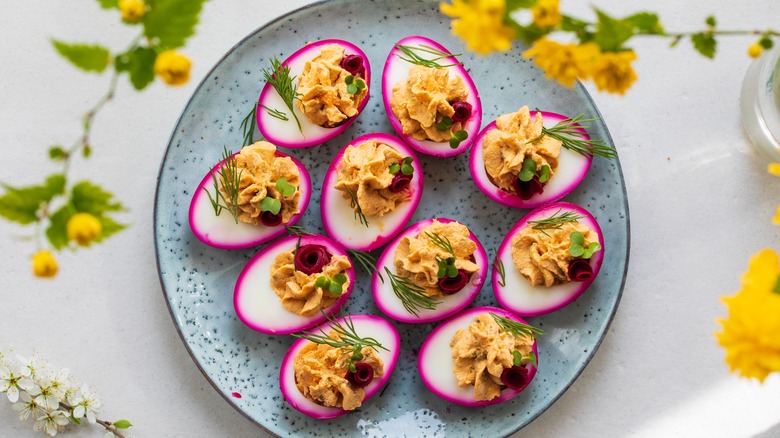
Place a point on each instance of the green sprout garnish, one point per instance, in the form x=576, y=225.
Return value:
x=405, y=167
x=353, y=202
x=518, y=358
x=444, y=125
x=275, y=113
x=446, y=266
x=354, y=86
x=346, y=339
x=528, y=171
x=413, y=57
x=230, y=177
x=578, y=248
x=544, y=174
x=412, y=296
x=279, y=78
x=555, y=222
x=516, y=328
x=498, y=264
x=333, y=285
x=272, y=205
x=285, y=188
x=248, y=126
x=457, y=138
x=568, y=132
x=367, y=261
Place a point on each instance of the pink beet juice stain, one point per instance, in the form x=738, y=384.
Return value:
x=237, y=395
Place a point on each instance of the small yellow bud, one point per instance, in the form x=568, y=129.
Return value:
x=172, y=67
x=83, y=228
x=755, y=50
x=44, y=264
x=132, y=10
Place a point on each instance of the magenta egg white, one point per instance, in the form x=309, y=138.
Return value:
x=389, y=303
x=397, y=70
x=366, y=326
x=338, y=217
x=222, y=231
x=257, y=305
x=436, y=364
x=572, y=168
x=286, y=133
x=517, y=295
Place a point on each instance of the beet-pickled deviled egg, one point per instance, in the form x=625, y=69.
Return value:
x=249, y=198
x=335, y=368
x=293, y=284
x=525, y=159
x=430, y=99
x=548, y=259
x=371, y=189
x=479, y=357
x=313, y=95
x=434, y=269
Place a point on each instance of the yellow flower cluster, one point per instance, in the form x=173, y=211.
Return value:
x=547, y=13
x=132, y=10
x=565, y=63
x=83, y=228
x=44, y=264
x=172, y=67
x=751, y=333
x=480, y=23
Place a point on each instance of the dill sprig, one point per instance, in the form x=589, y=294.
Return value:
x=298, y=231
x=556, y=221
x=230, y=177
x=442, y=242
x=515, y=328
x=412, y=296
x=413, y=57
x=275, y=113
x=367, y=261
x=567, y=132
x=279, y=77
x=248, y=126
x=353, y=202
x=346, y=338
x=499, y=265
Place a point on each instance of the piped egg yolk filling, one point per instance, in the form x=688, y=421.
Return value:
x=260, y=169
x=417, y=257
x=544, y=259
x=297, y=291
x=516, y=138
x=364, y=170
x=320, y=375
x=482, y=351
x=322, y=89
x=424, y=98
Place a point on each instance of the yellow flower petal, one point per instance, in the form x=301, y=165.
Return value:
x=547, y=14
x=44, y=265
x=614, y=73
x=480, y=24
x=172, y=67
x=564, y=63
x=774, y=169
x=83, y=228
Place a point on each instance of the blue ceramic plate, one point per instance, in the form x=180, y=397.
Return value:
x=198, y=280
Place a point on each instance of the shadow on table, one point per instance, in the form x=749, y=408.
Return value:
x=772, y=432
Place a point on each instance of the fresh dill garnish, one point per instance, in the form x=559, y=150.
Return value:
x=345, y=339
x=275, y=113
x=498, y=264
x=298, y=231
x=412, y=56
x=442, y=242
x=567, y=131
x=556, y=221
x=516, y=328
x=279, y=78
x=230, y=178
x=446, y=266
x=412, y=296
x=248, y=126
x=367, y=261
x=353, y=202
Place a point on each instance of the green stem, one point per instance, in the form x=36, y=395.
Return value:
x=106, y=424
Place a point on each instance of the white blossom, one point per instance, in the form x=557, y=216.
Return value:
x=29, y=367
x=27, y=407
x=11, y=382
x=52, y=422
x=45, y=394
x=87, y=404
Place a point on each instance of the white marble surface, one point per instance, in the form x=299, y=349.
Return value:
x=700, y=200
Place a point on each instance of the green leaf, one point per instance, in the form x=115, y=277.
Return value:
x=571, y=24
x=528, y=34
x=544, y=174
x=394, y=168
x=122, y=424
x=592, y=248
x=407, y=169
x=90, y=198
x=452, y=271
x=532, y=356
x=361, y=84
x=766, y=43
x=110, y=227
x=334, y=288
x=108, y=4
x=86, y=57
x=340, y=278
x=711, y=21
x=646, y=22
x=576, y=250
x=57, y=232
x=444, y=125
x=525, y=175
x=461, y=135
x=170, y=22
x=284, y=187
x=517, y=358
x=513, y=5
x=57, y=152
x=349, y=79
x=704, y=43
x=352, y=89
x=577, y=238
x=86, y=151
x=270, y=204
x=139, y=64
x=322, y=282
x=21, y=204
x=776, y=289
x=611, y=33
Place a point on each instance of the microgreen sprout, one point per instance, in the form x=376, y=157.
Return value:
x=270, y=204
x=248, y=126
x=279, y=78
x=457, y=138
x=275, y=113
x=499, y=265
x=418, y=55
x=367, y=261
x=555, y=222
x=578, y=248
x=353, y=202
x=528, y=171
x=333, y=285
x=354, y=86
x=518, y=358
x=544, y=174
x=446, y=267
x=230, y=177
x=445, y=124
x=285, y=188
x=567, y=131
x=516, y=328
x=405, y=167
x=412, y=296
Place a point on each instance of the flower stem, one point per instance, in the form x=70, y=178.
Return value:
x=106, y=424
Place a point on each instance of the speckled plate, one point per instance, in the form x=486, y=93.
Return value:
x=197, y=280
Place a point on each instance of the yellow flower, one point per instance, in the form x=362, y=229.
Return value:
x=546, y=13
x=751, y=333
x=613, y=71
x=172, y=67
x=564, y=63
x=83, y=228
x=480, y=24
x=774, y=169
x=755, y=50
x=44, y=264
x=132, y=10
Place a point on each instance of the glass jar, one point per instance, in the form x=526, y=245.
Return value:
x=760, y=104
